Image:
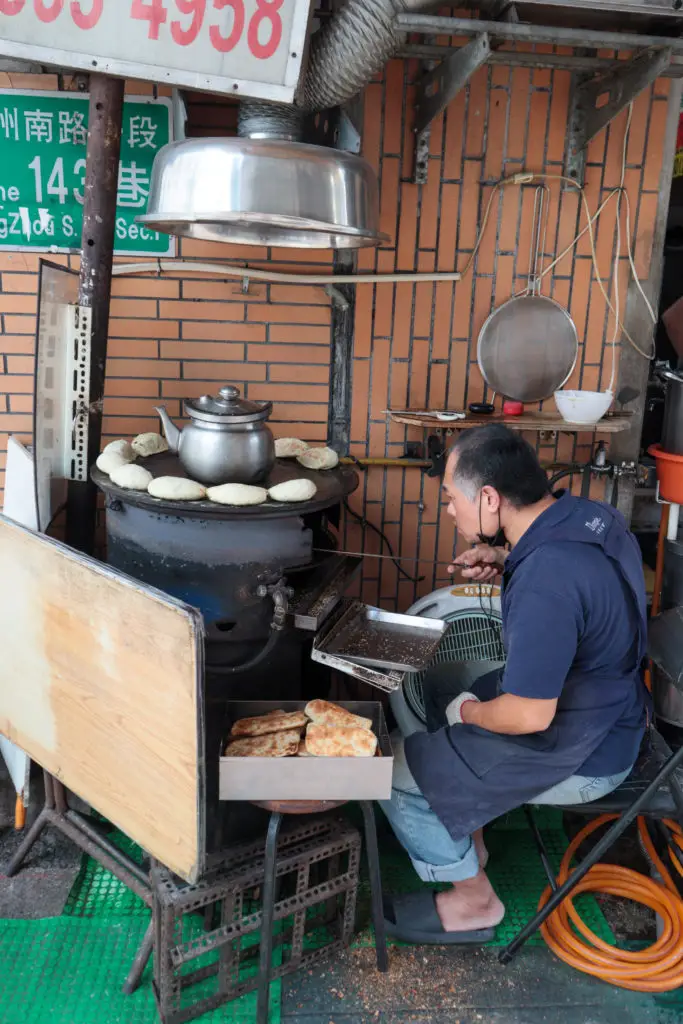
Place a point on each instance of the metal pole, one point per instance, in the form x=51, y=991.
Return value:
x=434, y=25
x=97, y=250
x=341, y=358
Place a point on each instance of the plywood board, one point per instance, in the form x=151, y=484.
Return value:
x=100, y=683
x=537, y=422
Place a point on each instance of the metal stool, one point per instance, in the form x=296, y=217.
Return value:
x=278, y=809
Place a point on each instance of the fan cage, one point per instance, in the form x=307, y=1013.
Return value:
x=471, y=636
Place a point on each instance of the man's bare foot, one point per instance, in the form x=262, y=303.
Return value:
x=480, y=847
x=469, y=906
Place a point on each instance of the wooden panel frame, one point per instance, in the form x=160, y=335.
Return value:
x=101, y=682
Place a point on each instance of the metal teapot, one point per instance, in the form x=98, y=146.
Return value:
x=226, y=441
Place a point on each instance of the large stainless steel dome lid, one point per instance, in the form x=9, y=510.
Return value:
x=264, y=192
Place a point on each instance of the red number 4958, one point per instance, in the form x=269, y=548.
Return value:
x=267, y=12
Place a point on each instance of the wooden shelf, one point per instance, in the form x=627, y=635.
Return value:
x=535, y=421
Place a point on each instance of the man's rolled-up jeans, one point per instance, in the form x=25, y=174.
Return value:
x=436, y=856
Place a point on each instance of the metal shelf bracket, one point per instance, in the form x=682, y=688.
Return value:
x=438, y=87
x=596, y=101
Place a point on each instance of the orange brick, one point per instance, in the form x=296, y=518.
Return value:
x=384, y=297
x=26, y=283
x=142, y=368
x=462, y=309
x=538, y=125
x=22, y=261
x=482, y=303
x=224, y=371
x=453, y=147
x=519, y=114
x=313, y=393
x=304, y=372
x=429, y=212
x=443, y=306
x=580, y=292
x=407, y=228
x=133, y=348
x=20, y=364
x=403, y=320
x=503, y=279
x=372, y=135
x=114, y=405
x=198, y=330
x=194, y=248
x=362, y=337
x=16, y=423
x=399, y=386
x=359, y=408
x=559, y=107
x=379, y=396
x=299, y=334
x=450, y=198
x=476, y=113
x=133, y=307
x=144, y=328
x=22, y=343
x=146, y=287
x=11, y=303
x=310, y=295
x=197, y=310
x=389, y=193
x=130, y=387
x=129, y=426
x=508, y=216
x=281, y=314
x=285, y=413
x=202, y=350
x=224, y=290
x=438, y=373
x=408, y=151
x=469, y=214
x=495, y=135
x=20, y=384
x=458, y=375
x=393, y=107
x=567, y=230
x=635, y=152
x=21, y=403
x=288, y=354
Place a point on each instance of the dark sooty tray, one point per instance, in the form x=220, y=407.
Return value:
x=371, y=636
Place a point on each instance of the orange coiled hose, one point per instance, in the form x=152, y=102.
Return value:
x=659, y=968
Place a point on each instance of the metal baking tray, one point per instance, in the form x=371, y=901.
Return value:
x=292, y=778
x=370, y=636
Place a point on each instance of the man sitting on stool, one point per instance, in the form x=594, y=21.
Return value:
x=560, y=723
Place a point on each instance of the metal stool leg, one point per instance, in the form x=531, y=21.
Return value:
x=141, y=959
x=372, y=852
x=266, y=947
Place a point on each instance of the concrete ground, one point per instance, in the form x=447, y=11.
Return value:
x=423, y=986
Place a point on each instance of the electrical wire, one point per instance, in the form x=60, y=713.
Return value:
x=659, y=967
x=366, y=524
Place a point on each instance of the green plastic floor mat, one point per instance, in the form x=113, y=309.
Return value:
x=70, y=971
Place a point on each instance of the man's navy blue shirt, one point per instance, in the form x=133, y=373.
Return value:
x=574, y=627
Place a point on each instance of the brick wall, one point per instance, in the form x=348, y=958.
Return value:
x=177, y=336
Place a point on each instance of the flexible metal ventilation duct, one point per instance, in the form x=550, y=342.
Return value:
x=266, y=187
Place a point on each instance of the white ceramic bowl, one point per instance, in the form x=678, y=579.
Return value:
x=583, y=407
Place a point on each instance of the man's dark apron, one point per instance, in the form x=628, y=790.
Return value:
x=471, y=776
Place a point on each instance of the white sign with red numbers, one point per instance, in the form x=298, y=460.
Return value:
x=241, y=47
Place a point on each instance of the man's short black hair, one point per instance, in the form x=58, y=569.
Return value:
x=495, y=456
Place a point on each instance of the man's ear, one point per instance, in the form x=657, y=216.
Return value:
x=491, y=499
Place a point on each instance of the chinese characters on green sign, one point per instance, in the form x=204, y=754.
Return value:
x=43, y=138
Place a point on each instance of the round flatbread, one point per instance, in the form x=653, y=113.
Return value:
x=289, y=447
x=131, y=477
x=293, y=490
x=176, y=488
x=319, y=458
x=149, y=444
x=237, y=494
x=107, y=462
x=121, y=447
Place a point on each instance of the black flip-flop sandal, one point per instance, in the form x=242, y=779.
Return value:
x=414, y=918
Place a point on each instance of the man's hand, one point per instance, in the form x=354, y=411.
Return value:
x=481, y=563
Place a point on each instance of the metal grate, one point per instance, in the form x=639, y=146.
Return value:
x=472, y=636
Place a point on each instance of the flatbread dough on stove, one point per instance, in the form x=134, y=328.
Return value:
x=107, y=462
x=121, y=447
x=131, y=477
x=289, y=447
x=237, y=494
x=149, y=444
x=319, y=458
x=293, y=490
x=338, y=741
x=176, y=488
x=278, y=744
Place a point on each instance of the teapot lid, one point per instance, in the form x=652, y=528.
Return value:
x=227, y=407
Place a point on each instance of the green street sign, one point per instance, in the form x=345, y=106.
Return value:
x=43, y=139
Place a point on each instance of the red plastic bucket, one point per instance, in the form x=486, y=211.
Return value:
x=669, y=474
